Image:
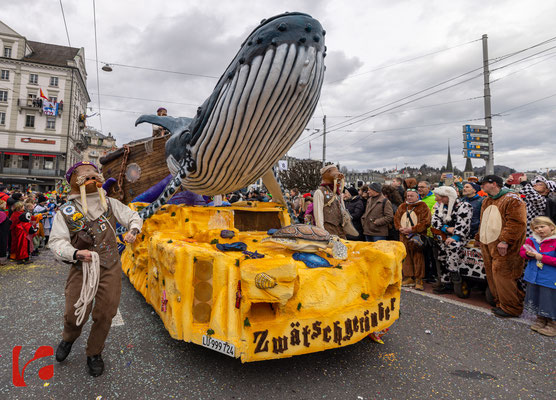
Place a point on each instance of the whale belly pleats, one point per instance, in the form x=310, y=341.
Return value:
x=258, y=115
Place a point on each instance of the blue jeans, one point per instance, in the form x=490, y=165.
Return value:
x=375, y=238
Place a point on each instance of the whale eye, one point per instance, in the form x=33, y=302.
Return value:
x=249, y=43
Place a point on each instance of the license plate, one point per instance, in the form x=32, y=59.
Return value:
x=219, y=346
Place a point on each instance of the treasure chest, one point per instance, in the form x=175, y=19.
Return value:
x=136, y=167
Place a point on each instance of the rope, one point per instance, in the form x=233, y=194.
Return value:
x=119, y=189
x=91, y=276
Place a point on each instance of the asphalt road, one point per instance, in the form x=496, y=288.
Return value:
x=468, y=354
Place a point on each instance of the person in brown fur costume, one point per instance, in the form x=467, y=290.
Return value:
x=412, y=218
x=501, y=234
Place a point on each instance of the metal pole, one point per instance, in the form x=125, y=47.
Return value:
x=324, y=141
x=488, y=114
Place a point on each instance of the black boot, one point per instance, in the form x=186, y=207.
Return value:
x=63, y=350
x=96, y=365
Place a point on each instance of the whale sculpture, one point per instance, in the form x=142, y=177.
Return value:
x=257, y=111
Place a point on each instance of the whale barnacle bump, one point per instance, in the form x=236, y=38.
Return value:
x=282, y=27
x=230, y=75
x=273, y=42
x=308, y=28
x=199, y=109
x=263, y=21
x=259, y=40
x=316, y=38
x=303, y=40
x=323, y=32
x=242, y=60
x=249, y=43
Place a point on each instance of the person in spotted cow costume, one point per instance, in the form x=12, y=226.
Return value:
x=451, y=225
x=537, y=197
x=83, y=228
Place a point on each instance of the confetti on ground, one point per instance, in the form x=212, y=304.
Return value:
x=128, y=364
x=46, y=384
x=98, y=398
x=129, y=346
x=428, y=332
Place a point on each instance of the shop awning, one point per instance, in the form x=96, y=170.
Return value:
x=44, y=155
x=16, y=154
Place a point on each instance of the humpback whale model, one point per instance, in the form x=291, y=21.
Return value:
x=257, y=111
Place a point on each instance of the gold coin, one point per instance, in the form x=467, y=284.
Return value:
x=203, y=270
x=201, y=312
x=203, y=291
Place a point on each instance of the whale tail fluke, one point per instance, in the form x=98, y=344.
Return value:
x=174, y=125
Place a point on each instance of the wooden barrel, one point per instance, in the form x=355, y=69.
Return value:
x=138, y=165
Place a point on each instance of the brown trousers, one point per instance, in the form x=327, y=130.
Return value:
x=502, y=275
x=105, y=307
x=414, y=263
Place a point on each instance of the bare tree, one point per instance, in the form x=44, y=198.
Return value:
x=302, y=174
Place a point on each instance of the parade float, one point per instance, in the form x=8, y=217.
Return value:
x=242, y=280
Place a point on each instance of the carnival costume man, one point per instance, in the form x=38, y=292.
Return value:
x=84, y=235
x=412, y=219
x=328, y=203
x=451, y=225
x=501, y=234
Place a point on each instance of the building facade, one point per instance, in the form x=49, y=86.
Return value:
x=95, y=145
x=38, y=134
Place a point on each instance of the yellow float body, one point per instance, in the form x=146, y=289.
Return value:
x=265, y=308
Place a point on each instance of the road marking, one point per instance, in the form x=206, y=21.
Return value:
x=464, y=305
x=117, y=320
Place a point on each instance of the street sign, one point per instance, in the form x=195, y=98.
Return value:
x=475, y=128
x=475, y=137
x=475, y=146
x=475, y=154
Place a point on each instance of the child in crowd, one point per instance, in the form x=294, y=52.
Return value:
x=23, y=238
x=4, y=232
x=540, y=274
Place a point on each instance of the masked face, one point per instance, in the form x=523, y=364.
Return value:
x=85, y=179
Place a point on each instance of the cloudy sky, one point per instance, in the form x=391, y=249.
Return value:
x=379, y=52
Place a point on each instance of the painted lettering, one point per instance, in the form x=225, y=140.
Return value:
x=348, y=329
x=294, y=334
x=337, y=333
x=316, y=330
x=260, y=339
x=374, y=319
x=326, y=334
x=279, y=344
x=306, y=331
x=380, y=311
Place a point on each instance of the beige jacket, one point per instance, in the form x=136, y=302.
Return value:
x=59, y=241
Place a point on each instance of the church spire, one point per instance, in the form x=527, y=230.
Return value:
x=449, y=166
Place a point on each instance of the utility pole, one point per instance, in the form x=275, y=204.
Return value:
x=324, y=141
x=488, y=114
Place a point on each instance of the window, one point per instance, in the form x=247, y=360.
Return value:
x=48, y=163
x=30, y=121
x=3, y=95
x=7, y=52
x=34, y=79
x=50, y=122
x=53, y=99
x=53, y=81
x=7, y=160
x=5, y=75
x=2, y=118
x=32, y=100
x=22, y=161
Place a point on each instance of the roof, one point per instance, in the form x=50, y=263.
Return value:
x=52, y=54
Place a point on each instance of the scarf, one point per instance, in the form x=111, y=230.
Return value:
x=502, y=192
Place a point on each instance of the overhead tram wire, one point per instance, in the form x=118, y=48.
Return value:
x=552, y=55
x=96, y=54
x=65, y=24
x=499, y=59
x=523, y=105
x=153, y=100
x=157, y=69
x=405, y=61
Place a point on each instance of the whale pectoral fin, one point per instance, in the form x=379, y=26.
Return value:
x=174, y=125
x=274, y=188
